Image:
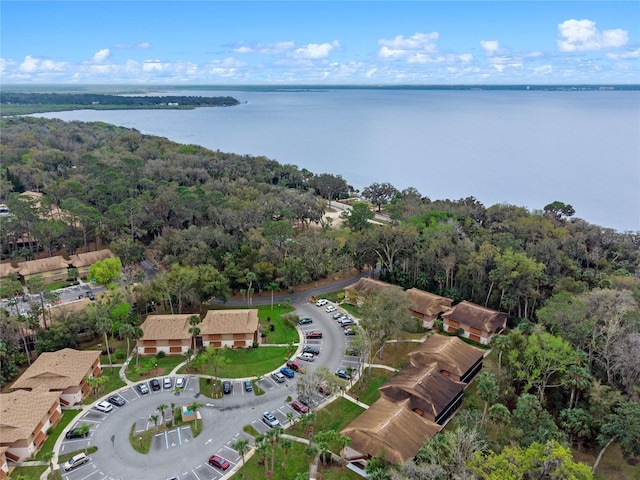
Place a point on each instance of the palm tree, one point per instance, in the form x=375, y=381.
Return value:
x=578, y=378
x=271, y=287
x=273, y=437
x=155, y=420
x=173, y=414
x=251, y=277
x=48, y=457
x=264, y=450
x=104, y=325
x=286, y=444
x=161, y=408
x=487, y=390
x=242, y=447
x=194, y=330
x=127, y=331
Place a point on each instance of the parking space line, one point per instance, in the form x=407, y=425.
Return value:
x=194, y=472
x=179, y=436
x=166, y=439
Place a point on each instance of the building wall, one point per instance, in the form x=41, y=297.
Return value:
x=25, y=448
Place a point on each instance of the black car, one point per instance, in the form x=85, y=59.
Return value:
x=155, y=384
x=343, y=374
x=310, y=349
x=116, y=400
x=305, y=321
x=77, y=433
x=226, y=386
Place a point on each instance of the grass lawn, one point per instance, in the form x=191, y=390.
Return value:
x=54, y=433
x=370, y=393
x=28, y=473
x=396, y=354
x=282, y=333
x=335, y=472
x=150, y=367
x=297, y=461
x=335, y=416
x=252, y=362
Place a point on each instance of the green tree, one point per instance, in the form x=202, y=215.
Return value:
x=357, y=218
x=194, y=330
x=488, y=391
x=622, y=426
x=105, y=271
x=379, y=193
x=329, y=186
x=241, y=445
x=549, y=460
x=534, y=422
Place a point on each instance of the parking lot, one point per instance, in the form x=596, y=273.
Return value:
x=223, y=419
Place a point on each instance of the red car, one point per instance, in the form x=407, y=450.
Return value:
x=218, y=461
x=324, y=390
x=314, y=334
x=299, y=406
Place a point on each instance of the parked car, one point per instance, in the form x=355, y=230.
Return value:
x=287, y=372
x=310, y=349
x=155, y=384
x=342, y=373
x=226, y=386
x=278, y=377
x=75, y=462
x=294, y=365
x=352, y=351
x=345, y=322
x=338, y=315
x=116, y=400
x=104, y=407
x=142, y=388
x=180, y=382
x=167, y=383
x=299, y=406
x=322, y=302
x=270, y=419
x=330, y=308
x=307, y=357
x=76, y=433
x=324, y=389
x=305, y=321
x=350, y=331
x=248, y=386
x=314, y=334
x=219, y=462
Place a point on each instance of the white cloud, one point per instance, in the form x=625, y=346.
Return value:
x=582, y=36
x=101, y=55
x=371, y=72
x=316, y=50
x=154, y=66
x=622, y=56
x=143, y=45
x=415, y=47
x=490, y=46
x=276, y=48
x=36, y=65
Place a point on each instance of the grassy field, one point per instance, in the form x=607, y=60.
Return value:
x=28, y=473
x=252, y=362
x=367, y=391
x=160, y=366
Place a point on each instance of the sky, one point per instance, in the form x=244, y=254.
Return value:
x=319, y=42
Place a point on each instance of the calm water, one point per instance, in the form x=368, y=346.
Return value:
x=526, y=148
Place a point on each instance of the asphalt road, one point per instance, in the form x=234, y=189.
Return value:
x=176, y=453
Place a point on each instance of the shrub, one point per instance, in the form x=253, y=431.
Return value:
x=161, y=354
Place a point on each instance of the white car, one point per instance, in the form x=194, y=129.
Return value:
x=307, y=357
x=278, y=377
x=330, y=308
x=180, y=382
x=104, y=407
x=167, y=383
x=322, y=302
x=75, y=461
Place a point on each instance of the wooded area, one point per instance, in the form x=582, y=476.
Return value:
x=219, y=223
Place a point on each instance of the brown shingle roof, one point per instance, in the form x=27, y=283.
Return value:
x=57, y=370
x=367, y=285
x=390, y=429
x=6, y=270
x=229, y=321
x=89, y=258
x=423, y=387
x=166, y=327
x=428, y=304
x=20, y=413
x=450, y=353
x=482, y=318
x=33, y=267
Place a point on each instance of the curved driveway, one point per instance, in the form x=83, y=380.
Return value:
x=175, y=453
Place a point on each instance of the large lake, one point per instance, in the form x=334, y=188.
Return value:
x=526, y=148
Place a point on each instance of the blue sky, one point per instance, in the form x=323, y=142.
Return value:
x=319, y=42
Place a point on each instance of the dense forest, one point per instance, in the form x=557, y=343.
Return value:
x=219, y=223
x=103, y=99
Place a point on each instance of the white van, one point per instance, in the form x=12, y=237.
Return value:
x=307, y=357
